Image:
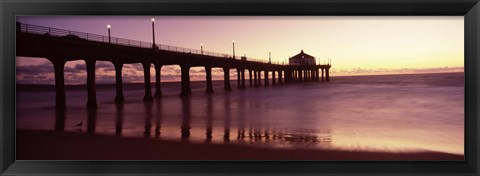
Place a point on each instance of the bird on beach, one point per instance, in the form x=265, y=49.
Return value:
x=80, y=124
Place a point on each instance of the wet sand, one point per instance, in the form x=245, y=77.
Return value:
x=51, y=145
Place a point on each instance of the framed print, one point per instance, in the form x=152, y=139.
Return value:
x=192, y=88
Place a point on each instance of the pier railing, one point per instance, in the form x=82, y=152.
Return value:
x=48, y=31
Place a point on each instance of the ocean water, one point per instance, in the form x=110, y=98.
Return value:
x=390, y=113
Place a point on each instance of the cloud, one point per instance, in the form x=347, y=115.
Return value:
x=75, y=79
x=127, y=71
x=112, y=69
x=137, y=67
x=35, y=74
x=104, y=64
x=217, y=70
x=69, y=69
x=197, y=70
x=171, y=77
x=363, y=71
x=80, y=66
x=170, y=68
x=35, y=79
x=35, y=69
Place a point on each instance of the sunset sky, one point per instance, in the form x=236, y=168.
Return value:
x=356, y=45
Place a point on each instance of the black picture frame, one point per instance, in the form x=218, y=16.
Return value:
x=470, y=9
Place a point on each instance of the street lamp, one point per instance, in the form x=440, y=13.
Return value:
x=153, y=32
x=201, y=48
x=269, y=57
x=108, y=27
x=233, y=42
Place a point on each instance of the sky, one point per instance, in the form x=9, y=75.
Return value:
x=356, y=45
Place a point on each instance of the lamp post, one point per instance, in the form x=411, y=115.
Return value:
x=201, y=48
x=269, y=57
x=108, y=27
x=233, y=43
x=153, y=32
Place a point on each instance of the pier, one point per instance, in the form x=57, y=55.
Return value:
x=60, y=46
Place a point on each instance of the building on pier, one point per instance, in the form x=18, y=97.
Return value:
x=301, y=59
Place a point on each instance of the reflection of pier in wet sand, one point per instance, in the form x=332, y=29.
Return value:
x=231, y=127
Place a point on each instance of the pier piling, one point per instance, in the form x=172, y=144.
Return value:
x=118, y=82
x=226, y=78
x=208, y=71
x=92, y=95
x=186, y=90
x=158, y=89
x=148, y=85
x=59, y=66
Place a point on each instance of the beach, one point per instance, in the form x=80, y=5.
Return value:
x=382, y=117
x=48, y=145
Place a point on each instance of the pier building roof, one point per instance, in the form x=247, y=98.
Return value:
x=302, y=58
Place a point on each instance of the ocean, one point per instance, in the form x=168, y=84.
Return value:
x=387, y=113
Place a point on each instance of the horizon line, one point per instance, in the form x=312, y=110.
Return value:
x=246, y=79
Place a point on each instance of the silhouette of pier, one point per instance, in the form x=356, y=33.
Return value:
x=60, y=46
